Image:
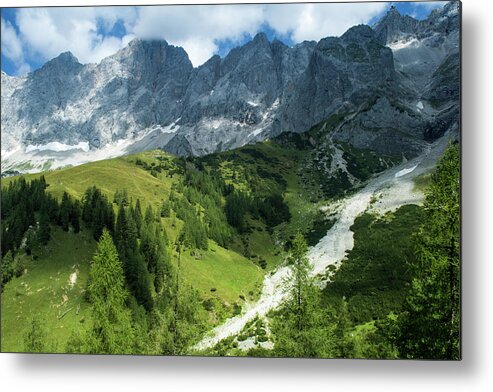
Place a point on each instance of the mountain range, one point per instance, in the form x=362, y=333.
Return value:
x=394, y=86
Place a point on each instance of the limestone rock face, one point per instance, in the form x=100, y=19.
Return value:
x=396, y=85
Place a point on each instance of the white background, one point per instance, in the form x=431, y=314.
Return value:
x=473, y=373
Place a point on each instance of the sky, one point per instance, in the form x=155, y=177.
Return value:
x=32, y=36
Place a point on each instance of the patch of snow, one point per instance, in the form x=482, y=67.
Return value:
x=403, y=172
x=8, y=153
x=402, y=44
x=256, y=132
x=171, y=128
x=217, y=123
x=273, y=108
x=60, y=155
x=58, y=147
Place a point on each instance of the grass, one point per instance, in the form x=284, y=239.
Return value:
x=422, y=182
x=43, y=291
x=221, y=273
x=109, y=176
x=262, y=247
x=230, y=273
x=218, y=268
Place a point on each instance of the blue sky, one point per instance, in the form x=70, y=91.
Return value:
x=32, y=36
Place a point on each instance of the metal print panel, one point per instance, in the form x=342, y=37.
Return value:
x=232, y=180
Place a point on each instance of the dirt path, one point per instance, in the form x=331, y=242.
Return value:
x=393, y=187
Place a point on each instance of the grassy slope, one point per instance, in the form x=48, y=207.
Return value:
x=41, y=289
x=268, y=166
x=226, y=272
x=223, y=274
x=229, y=272
x=108, y=175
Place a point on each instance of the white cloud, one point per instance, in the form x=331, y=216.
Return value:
x=429, y=5
x=197, y=28
x=12, y=47
x=315, y=21
x=46, y=32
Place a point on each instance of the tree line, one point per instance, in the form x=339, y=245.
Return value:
x=138, y=301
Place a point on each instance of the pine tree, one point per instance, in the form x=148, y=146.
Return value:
x=35, y=337
x=431, y=319
x=304, y=327
x=75, y=216
x=139, y=280
x=44, y=231
x=112, y=331
x=343, y=325
x=301, y=277
x=137, y=215
x=163, y=275
x=8, y=267
x=148, y=247
x=125, y=234
x=165, y=209
x=31, y=241
x=149, y=215
x=121, y=197
x=65, y=210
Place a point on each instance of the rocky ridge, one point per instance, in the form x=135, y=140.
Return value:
x=395, y=86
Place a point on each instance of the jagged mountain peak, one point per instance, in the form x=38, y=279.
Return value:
x=65, y=59
x=359, y=34
x=394, y=26
x=64, y=65
x=149, y=95
x=450, y=9
x=260, y=37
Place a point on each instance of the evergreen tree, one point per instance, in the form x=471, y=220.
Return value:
x=165, y=209
x=121, y=197
x=149, y=247
x=31, y=241
x=8, y=267
x=301, y=279
x=163, y=275
x=343, y=341
x=125, y=234
x=111, y=331
x=65, y=211
x=431, y=319
x=304, y=328
x=136, y=273
x=97, y=212
x=149, y=216
x=235, y=208
x=44, y=231
x=137, y=215
x=75, y=216
x=35, y=337
x=139, y=280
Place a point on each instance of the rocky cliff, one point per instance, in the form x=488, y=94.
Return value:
x=394, y=86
